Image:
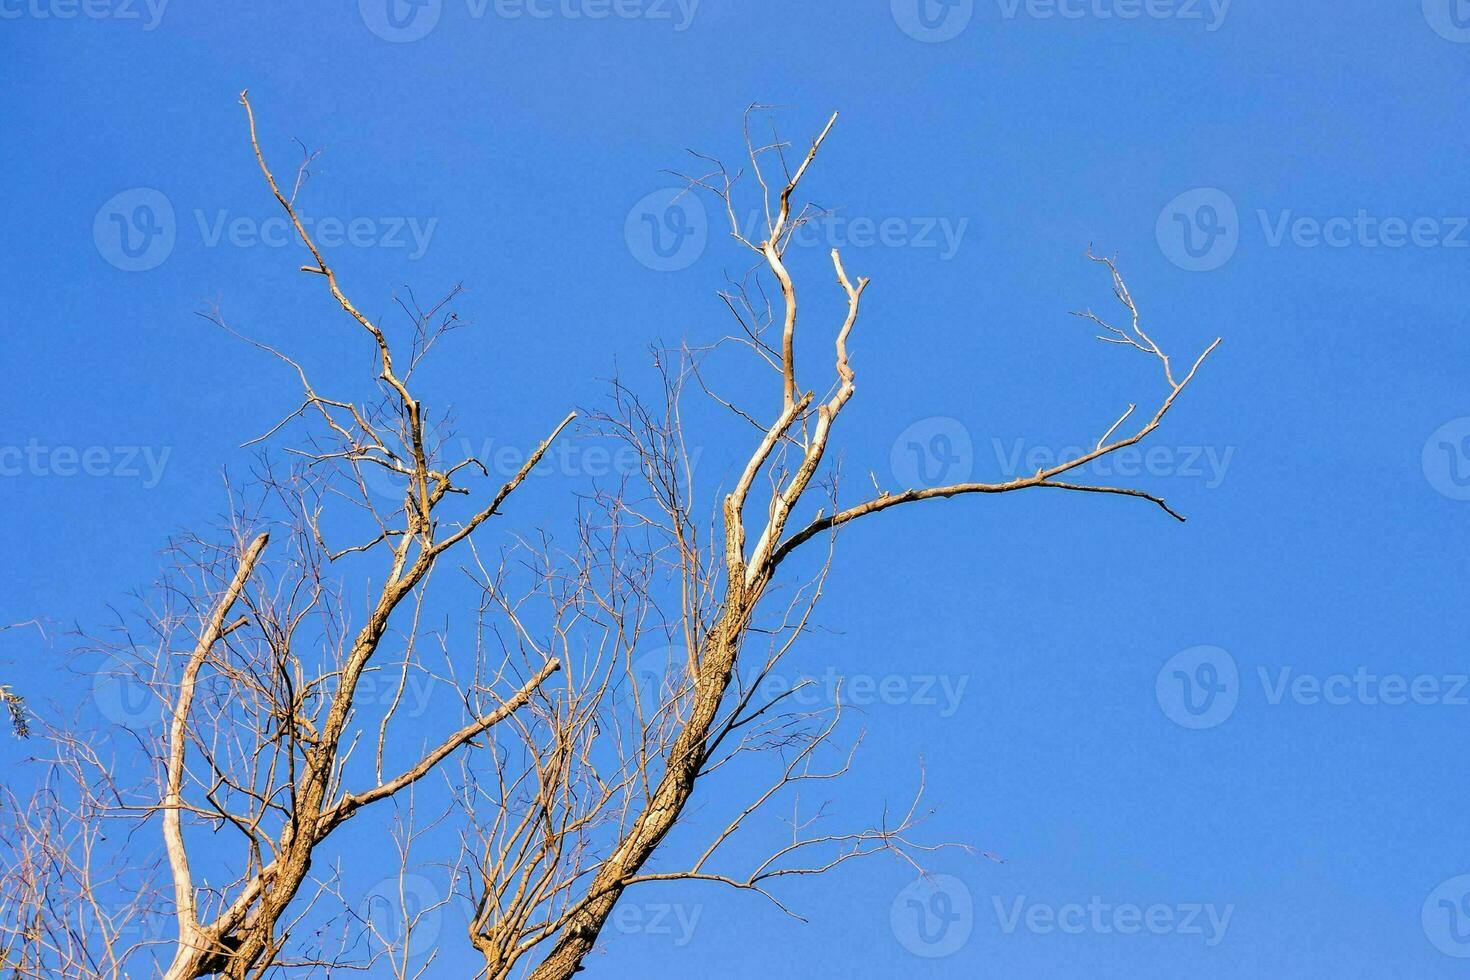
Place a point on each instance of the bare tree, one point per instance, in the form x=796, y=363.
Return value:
x=605, y=680
x=268, y=744
x=565, y=821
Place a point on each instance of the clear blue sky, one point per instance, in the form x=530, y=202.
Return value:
x=1322, y=457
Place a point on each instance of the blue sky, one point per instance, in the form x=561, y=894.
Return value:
x=1285, y=176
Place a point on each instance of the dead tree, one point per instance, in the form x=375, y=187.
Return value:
x=607, y=681
x=572, y=814
x=267, y=745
